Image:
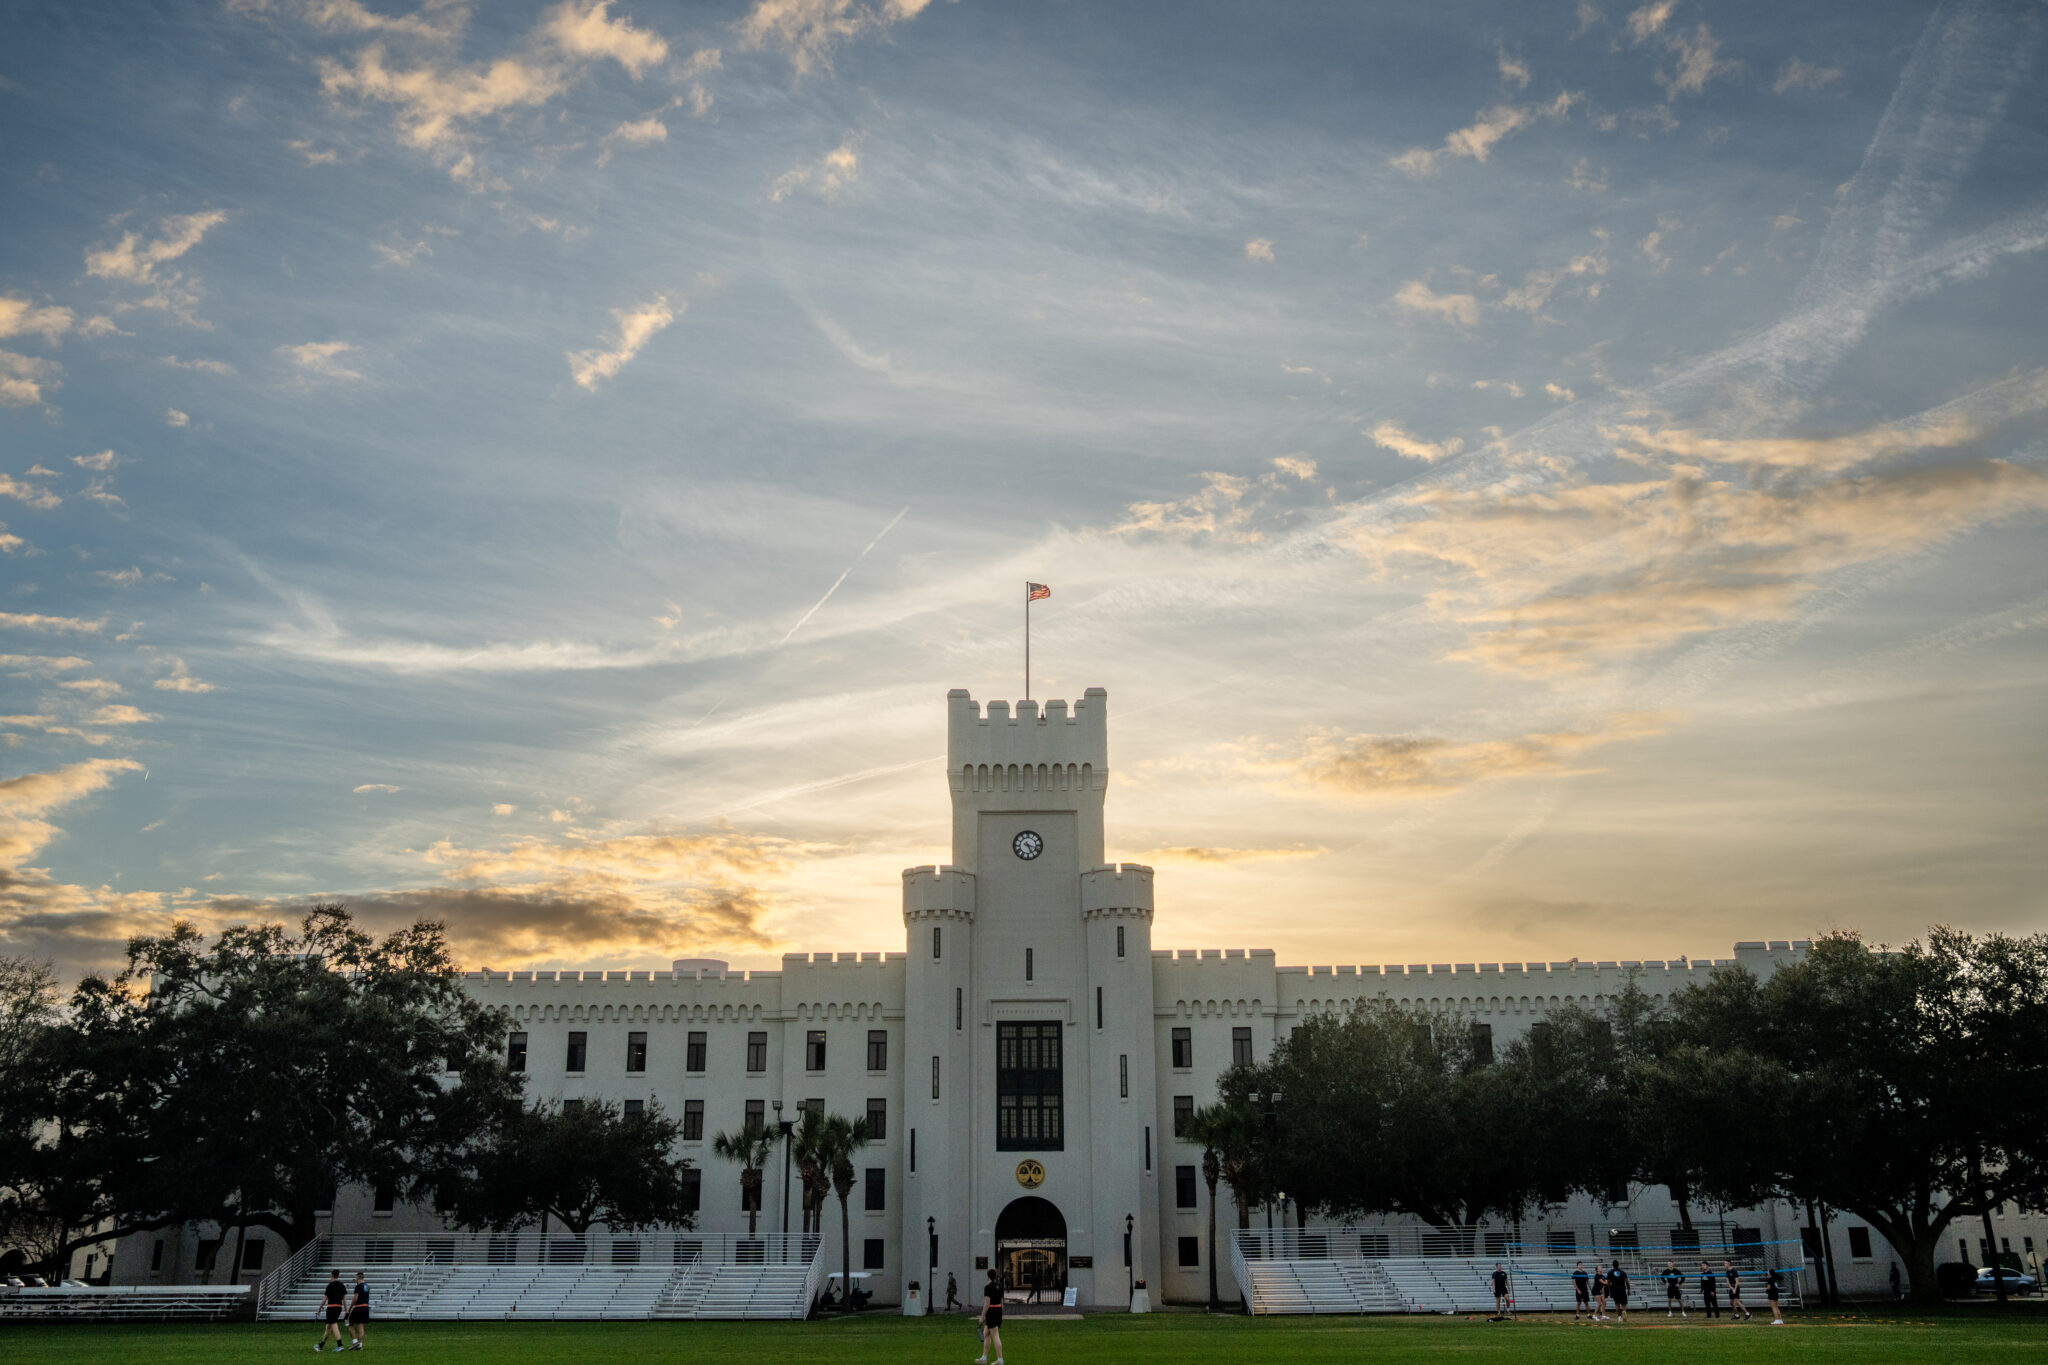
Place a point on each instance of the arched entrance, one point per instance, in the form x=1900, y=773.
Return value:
x=1031, y=1249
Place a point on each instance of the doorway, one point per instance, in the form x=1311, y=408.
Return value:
x=1031, y=1250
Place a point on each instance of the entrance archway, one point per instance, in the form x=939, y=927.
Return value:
x=1031, y=1249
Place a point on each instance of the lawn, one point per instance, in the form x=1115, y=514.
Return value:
x=1179, y=1338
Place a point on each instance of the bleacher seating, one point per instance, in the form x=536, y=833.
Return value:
x=139, y=1303
x=1449, y=1284
x=567, y=1292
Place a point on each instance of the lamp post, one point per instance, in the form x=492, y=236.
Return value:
x=931, y=1241
x=785, y=1125
x=1130, y=1266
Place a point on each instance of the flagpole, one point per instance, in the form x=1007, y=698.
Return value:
x=1027, y=642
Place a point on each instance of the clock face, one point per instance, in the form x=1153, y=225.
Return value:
x=1027, y=845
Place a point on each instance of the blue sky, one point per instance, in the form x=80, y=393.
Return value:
x=1536, y=480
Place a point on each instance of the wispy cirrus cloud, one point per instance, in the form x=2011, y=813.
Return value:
x=1427, y=765
x=807, y=31
x=1390, y=436
x=70, y=625
x=140, y=258
x=1488, y=129
x=826, y=177
x=636, y=326
x=320, y=362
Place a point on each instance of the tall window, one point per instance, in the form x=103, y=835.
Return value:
x=959, y=1007
x=757, y=1052
x=757, y=1115
x=1123, y=1075
x=872, y=1250
x=814, y=1050
x=875, y=1192
x=1027, y=964
x=693, y=1120
x=636, y=1052
x=385, y=1197
x=1119, y=940
x=1482, y=1044
x=1098, y=1007
x=1859, y=1243
x=693, y=1189
x=1183, y=1048
x=810, y=1106
x=1184, y=1187
x=515, y=1053
x=1028, y=1087
x=878, y=1049
x=1190, y=1252
x=935, y=941
x=935, y=1078
x=572, y=1107
x=878, y=1120
x=1240, y=1047
x=1183, y=1110
x=579, y=1050
x=693, y=1053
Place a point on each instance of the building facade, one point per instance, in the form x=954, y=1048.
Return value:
x=1022, y=1061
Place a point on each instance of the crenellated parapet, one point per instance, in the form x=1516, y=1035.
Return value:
x=1117, y=889
x=1056, y=748
x=937, y=892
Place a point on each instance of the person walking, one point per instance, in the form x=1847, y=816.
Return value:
x=1674, y=1289
x=1710, y=1291
x=952, y=1292
x=1734, y=1278
x=1599, y=1293
x=359, y=1312
x=1037, y=1283
x=1771, y=1297
x=1503, y=1306
x=1617, y=1290
x=991, y=1320
x=1897, y=1293
x=331, y=1300
x=1582, y=1293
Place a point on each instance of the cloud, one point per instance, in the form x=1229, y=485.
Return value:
x=100, y=462
x=1410, y=766
x=384, y=787
x=96, y=687
x=175, y=418
x=1300, y=466
x=1513, y=70
x=214, y=367
x=1699, y=61
x=649, y=129
x=26, y=799
x=1416, y=297
x=1584, y=177
x=34, y=494
x=1410, y=447
x=585, y=28
x=1217, y=509
x=121, y=714
x=9, y=542
x=1259, y=249
x=1650, y=19
x=24, y=378
x=425, y=656
x=315, y=156
x=436, y=103
x=180, y=678
x=636, y=327
x=503, y=808
x=20, y=317
x=1490, y=127
x=1560, y=393
x=433, y=23
x=807, y=31
x=101, y=327
x=316, y=361
x=1799, y=75
x=1222, y=856
x=825, y=177
x=136, y=260
x=11, y=620
x=41, y=665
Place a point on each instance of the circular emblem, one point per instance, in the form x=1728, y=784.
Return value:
x=1027, y=845
x=1030, y=1174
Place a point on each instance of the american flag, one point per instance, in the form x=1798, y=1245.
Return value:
x=1034, y=591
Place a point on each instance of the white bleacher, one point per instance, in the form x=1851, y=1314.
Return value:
x=140, y=1303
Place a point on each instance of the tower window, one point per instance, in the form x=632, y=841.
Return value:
x=1183, y=1048
x=814, y=1049
x=693, y=1120
x=935, y=1078
x=1190, y=1252
x=1240, y=1047
x=959, y=1008
x=1029, y=1092
x=757, y=1115
x=875, y=1192
x=636, y=1052
x=936, y=932
x=1098, y=1007
x=693, y=1053
x=1184, y=1187
x=635, y=1107
x=1148, y=1149
x=878, y=1049
x=757, y=1052
x=1183, y=1110
x=1123, y=1075
x=1027, y=964
x=693, y=1189
x=579, y=1051
x=878, y=1120
x=515, y=1053
x=1119, y=940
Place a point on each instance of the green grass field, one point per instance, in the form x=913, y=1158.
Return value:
x=1850, y=1338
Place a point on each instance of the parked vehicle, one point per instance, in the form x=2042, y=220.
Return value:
x=2015, y=1282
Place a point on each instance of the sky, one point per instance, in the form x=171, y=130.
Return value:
x=1537, y=480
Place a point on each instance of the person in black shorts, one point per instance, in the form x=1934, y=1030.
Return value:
x=1734, y=1278
x=1617, y=1289
x=1582, y=1292
x=331, y=1300
x=1771, y=1296
x=1503, y=1306
x=991, y=1320
x=358, y=1312
x=1710, y=1291
x=1674, y=1289
x=1599, y=1293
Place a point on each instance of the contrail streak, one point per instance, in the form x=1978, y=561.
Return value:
x=842, y=577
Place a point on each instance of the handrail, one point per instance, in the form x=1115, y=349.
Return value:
x=815, y=1280
x=1242, y=1275
x=272, y=1287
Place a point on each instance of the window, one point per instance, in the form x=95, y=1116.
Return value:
x=693, y=1189
x=1859, y=1243
x=875, y=1189
x=1183, y=1110
x=935, y=1078
x=208, y=1251
x=156, y=1255
x=1495, y=1243
x=757, y=1052
x=750, y=1200
x=757, y=1115
x=693, y=1120
x=878, y=1049
x=1809, y=1243
x=1148, y=1149
x=1098, y=1007
x=1748, y=1241
x=384, y=1199
x=579, y=1051
x=913, y=1151
x=1685, y=1241
x=1028, y=1087
x=959, y=1007
x=515, y=1053
x=636, y=1052
x=871, y=1253
x=634, y=1108
x=809, y=1107
x=936, y=944
x=252, y=1255
x=1183, y=1048
x=1240, y=1047
x=1375, y=1246
x=693, y=1053
x=1482, y=1044
x=1190, y=1253
x=1184, y=1187
x=814, y=1050
x=878, y=1120
x=572, y=1106
x=1119, y=940
x=1027, y=964
x=1123, y=1075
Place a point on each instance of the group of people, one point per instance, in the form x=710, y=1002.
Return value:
x=1594, y=1292
x=336, y=1300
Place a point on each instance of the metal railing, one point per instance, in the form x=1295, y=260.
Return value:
x=363, y=1250
x=1635, y=1242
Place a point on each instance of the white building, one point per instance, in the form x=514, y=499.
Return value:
x=1022, y=1061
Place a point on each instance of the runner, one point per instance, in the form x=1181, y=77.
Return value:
x=1599, y=1293
x=330, y=1304
x=1771, y=1295
x=1734, y=1279
x=359, y=1312
x=1674, y=1289
x=991, y=1320
x=1503, y=1306
x=1582, y=1294
x=1617, y=1289
x=1710, y=1291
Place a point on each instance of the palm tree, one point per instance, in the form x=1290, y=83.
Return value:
x=838, y=1139
x=751, y=1147
x=1225, y=1133
x=812, y=1176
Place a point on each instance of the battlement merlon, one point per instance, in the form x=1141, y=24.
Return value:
x=1117, y=889
x=1056, y=734
x=937, y=892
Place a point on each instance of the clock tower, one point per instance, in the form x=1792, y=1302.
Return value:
x=1029, y=998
